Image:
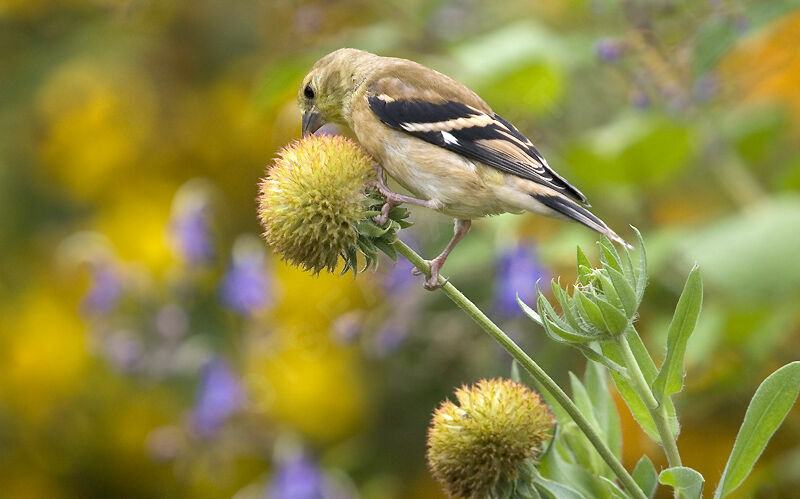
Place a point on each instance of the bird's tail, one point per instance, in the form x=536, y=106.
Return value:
x=574, y=211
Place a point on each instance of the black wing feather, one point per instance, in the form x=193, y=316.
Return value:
x=408, y=115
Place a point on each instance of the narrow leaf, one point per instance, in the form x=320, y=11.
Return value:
x=686, y=481
x=556, y=490
x=581, y=398
x=515, y=371
x=626, y=293
x=645, y=476
x=609, y=291
x=609, y=255
x=614, y=488
x=767, y=410
x=641, y=273
x=634, y=402
x=605, y=411
x=670, y=378
x=584, y=267
x=531, y=313
x=614, y=318
x=590, y=311
x=598, y=357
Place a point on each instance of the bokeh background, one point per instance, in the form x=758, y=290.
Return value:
x=152, y=346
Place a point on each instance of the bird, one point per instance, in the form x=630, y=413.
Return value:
x=440, y=141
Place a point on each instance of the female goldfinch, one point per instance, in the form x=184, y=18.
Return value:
x=439, y=140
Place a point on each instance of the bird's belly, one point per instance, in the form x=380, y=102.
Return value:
x=464, y=188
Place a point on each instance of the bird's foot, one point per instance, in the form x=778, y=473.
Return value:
x=432, y=283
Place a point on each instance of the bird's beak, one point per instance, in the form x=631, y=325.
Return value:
x=312, y=121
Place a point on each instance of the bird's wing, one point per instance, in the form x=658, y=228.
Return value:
x=468, y=131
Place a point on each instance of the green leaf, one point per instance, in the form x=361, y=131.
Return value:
x=555, y=327
x=605, y=411
x=589, y=310
x=615, y=319
x=645, y=476
x=635, y=403
x=625, y=292
x=515, y=371
x=584, y=267
x=556, y=490
x=555, y=467
x=531, y=313
x=585, y=454
x=581, y=398
x=598, y=357
x=767, y=410
x=641, y=271
x=609, y=291
x=609, y=255
x=614, y=488
x=670, y=377
x=568, y=307
x=686, y=481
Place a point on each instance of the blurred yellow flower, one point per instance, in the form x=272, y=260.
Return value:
x=97, y=123
x=316, y=391
x=136, y=224
x=44, y=352
x=298, y=374
x=311, y=303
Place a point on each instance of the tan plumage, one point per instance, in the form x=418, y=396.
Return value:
x=437, y=139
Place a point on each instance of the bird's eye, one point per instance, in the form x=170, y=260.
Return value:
x=308, y=92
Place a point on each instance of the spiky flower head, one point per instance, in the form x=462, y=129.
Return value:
x=488, y=440
x=314, y=206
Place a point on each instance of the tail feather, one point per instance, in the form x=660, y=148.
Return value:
x=576, y=212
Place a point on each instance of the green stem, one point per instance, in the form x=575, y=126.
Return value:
x=657, y=411
x=532, y=367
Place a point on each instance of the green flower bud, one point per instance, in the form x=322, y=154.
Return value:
x=489, y=441
x=313, y=200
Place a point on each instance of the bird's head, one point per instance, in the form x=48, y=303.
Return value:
x=326, y=90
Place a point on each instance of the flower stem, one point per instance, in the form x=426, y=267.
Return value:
x=657, y=411
x=532, y=367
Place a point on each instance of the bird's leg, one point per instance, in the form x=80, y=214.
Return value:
x=393, y=199
x=460, y=229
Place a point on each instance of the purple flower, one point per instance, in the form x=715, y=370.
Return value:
x=399, y=279
x=105, y=288
x=192, y=235
x=390, y=336
x=298, y=478
x=221, y=395
x=347, y=327
x=608, y=50
x=245, y=287
x=705, y=87
x=190, y=226
x=518, y=269
x=640, y=100
x=124, y=350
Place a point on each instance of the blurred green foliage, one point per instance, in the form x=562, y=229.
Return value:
x=125, y=319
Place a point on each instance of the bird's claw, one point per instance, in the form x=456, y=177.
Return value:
x=432, y=282
x=431, y=285
x=384, y=216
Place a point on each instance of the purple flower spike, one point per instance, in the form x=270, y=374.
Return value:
x=221, y=395
x=246, y=286
x=190, y=226
x=298, y=478
x=608, y=50
x=105, y=289
x=391, y=335
x=518, y=271
x=399, y=280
